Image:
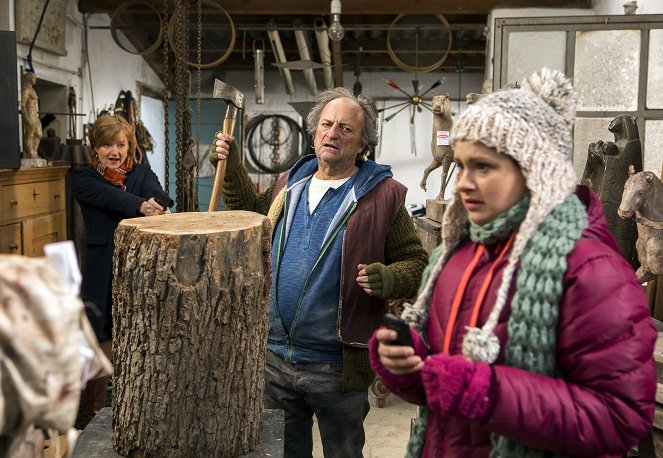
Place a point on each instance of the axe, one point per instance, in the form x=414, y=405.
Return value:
x=235, y=101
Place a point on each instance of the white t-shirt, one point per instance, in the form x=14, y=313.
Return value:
x=318, y=188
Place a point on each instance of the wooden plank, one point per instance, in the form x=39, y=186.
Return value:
x=658, y=417
x=435, y=209
x=363, y=7
x=95, y=440
x=658, y=358
x=428, y=232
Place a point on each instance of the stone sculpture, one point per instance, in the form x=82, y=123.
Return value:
x=440, y=148
x=606, y=172
x=30, y=113
x=643, y=197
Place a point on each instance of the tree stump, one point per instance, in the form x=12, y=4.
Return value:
x=190, y=314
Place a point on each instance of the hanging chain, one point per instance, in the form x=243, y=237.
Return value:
x=275, y=139
x=199, y=49
x=165, y=77
x=182, y=124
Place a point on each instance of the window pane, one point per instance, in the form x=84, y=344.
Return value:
x=586, y=131
x=655, y=70
x=653, y=158
x=525, y=56
x=606, y=70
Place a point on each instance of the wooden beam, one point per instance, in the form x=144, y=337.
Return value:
x=356, y=7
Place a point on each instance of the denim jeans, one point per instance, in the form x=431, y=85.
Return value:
x=302, y=390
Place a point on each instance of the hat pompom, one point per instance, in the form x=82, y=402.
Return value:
x=556, y=90
x=481, y=345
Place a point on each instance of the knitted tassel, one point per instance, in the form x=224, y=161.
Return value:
x=480, y=345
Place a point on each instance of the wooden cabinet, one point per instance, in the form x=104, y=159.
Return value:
x=32, y=209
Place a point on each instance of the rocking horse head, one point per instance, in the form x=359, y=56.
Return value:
x=636, y=189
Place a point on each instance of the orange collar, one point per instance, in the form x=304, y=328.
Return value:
x=462, y=286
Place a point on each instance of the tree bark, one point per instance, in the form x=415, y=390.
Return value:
x=190, y=306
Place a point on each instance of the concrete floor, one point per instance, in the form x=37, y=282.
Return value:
x=387, y=429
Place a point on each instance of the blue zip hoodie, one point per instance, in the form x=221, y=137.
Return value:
x=304, y=330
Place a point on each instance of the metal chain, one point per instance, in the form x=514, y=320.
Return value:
x=181, y=98
x=165, y=77
x=187, y=195
x=275, y=156
x=199, y=52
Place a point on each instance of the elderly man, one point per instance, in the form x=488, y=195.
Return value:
x=343, y=243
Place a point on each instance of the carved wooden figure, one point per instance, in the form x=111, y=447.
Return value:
x=190, y=306
x=606, y=172
x=30, y=113
x=440, y=148
x=643, y=196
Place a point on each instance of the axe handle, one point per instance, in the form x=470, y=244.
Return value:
x=228, y=128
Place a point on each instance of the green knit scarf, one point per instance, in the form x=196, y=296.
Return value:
x=532, y=325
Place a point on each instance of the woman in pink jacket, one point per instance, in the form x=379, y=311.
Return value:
x=531, y=335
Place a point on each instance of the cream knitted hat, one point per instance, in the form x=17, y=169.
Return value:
x=534, y=126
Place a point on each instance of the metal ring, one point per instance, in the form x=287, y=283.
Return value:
x=412, y=68
x=113, y=27
x=224, y=57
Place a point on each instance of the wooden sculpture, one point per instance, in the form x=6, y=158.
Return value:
x=440, y=148
x=30, y=113
x=606, y=172
x=643, y=197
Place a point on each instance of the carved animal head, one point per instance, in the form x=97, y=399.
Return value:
x=441, y=104
x=624, y=126
x=473, y=97
x=636, y=189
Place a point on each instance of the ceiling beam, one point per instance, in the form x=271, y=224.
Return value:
x=355, y=7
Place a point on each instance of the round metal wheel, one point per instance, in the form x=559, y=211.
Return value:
x=275, y=142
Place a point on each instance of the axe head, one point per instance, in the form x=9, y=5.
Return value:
x=228, y=93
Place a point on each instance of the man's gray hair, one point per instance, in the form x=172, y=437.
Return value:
x=369, y=135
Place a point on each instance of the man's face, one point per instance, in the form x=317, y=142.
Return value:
x=337, y=139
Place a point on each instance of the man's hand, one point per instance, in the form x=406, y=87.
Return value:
x=225, y=148
x=376, y=279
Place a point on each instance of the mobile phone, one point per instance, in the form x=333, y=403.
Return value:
x=401, y=327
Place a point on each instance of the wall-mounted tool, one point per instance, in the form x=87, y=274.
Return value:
x=259, y=64
x=325, y=52
x=304, y=53
x=279, y=55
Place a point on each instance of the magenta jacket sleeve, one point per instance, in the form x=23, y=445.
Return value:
x=408, y=387
x=602, y=401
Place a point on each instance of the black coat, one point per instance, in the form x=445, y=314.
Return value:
x=104, y=206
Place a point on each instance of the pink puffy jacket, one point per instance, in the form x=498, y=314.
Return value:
x=602, y=402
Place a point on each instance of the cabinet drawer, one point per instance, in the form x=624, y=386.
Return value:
x=10, y=239
x=27, y=199
x=37, y=232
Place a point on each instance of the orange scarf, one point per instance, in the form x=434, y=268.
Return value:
x=116, y=176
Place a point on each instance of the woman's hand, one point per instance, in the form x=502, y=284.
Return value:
x=152, y=208
x=397, y=359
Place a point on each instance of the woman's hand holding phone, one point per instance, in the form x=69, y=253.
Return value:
x=395, y=348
